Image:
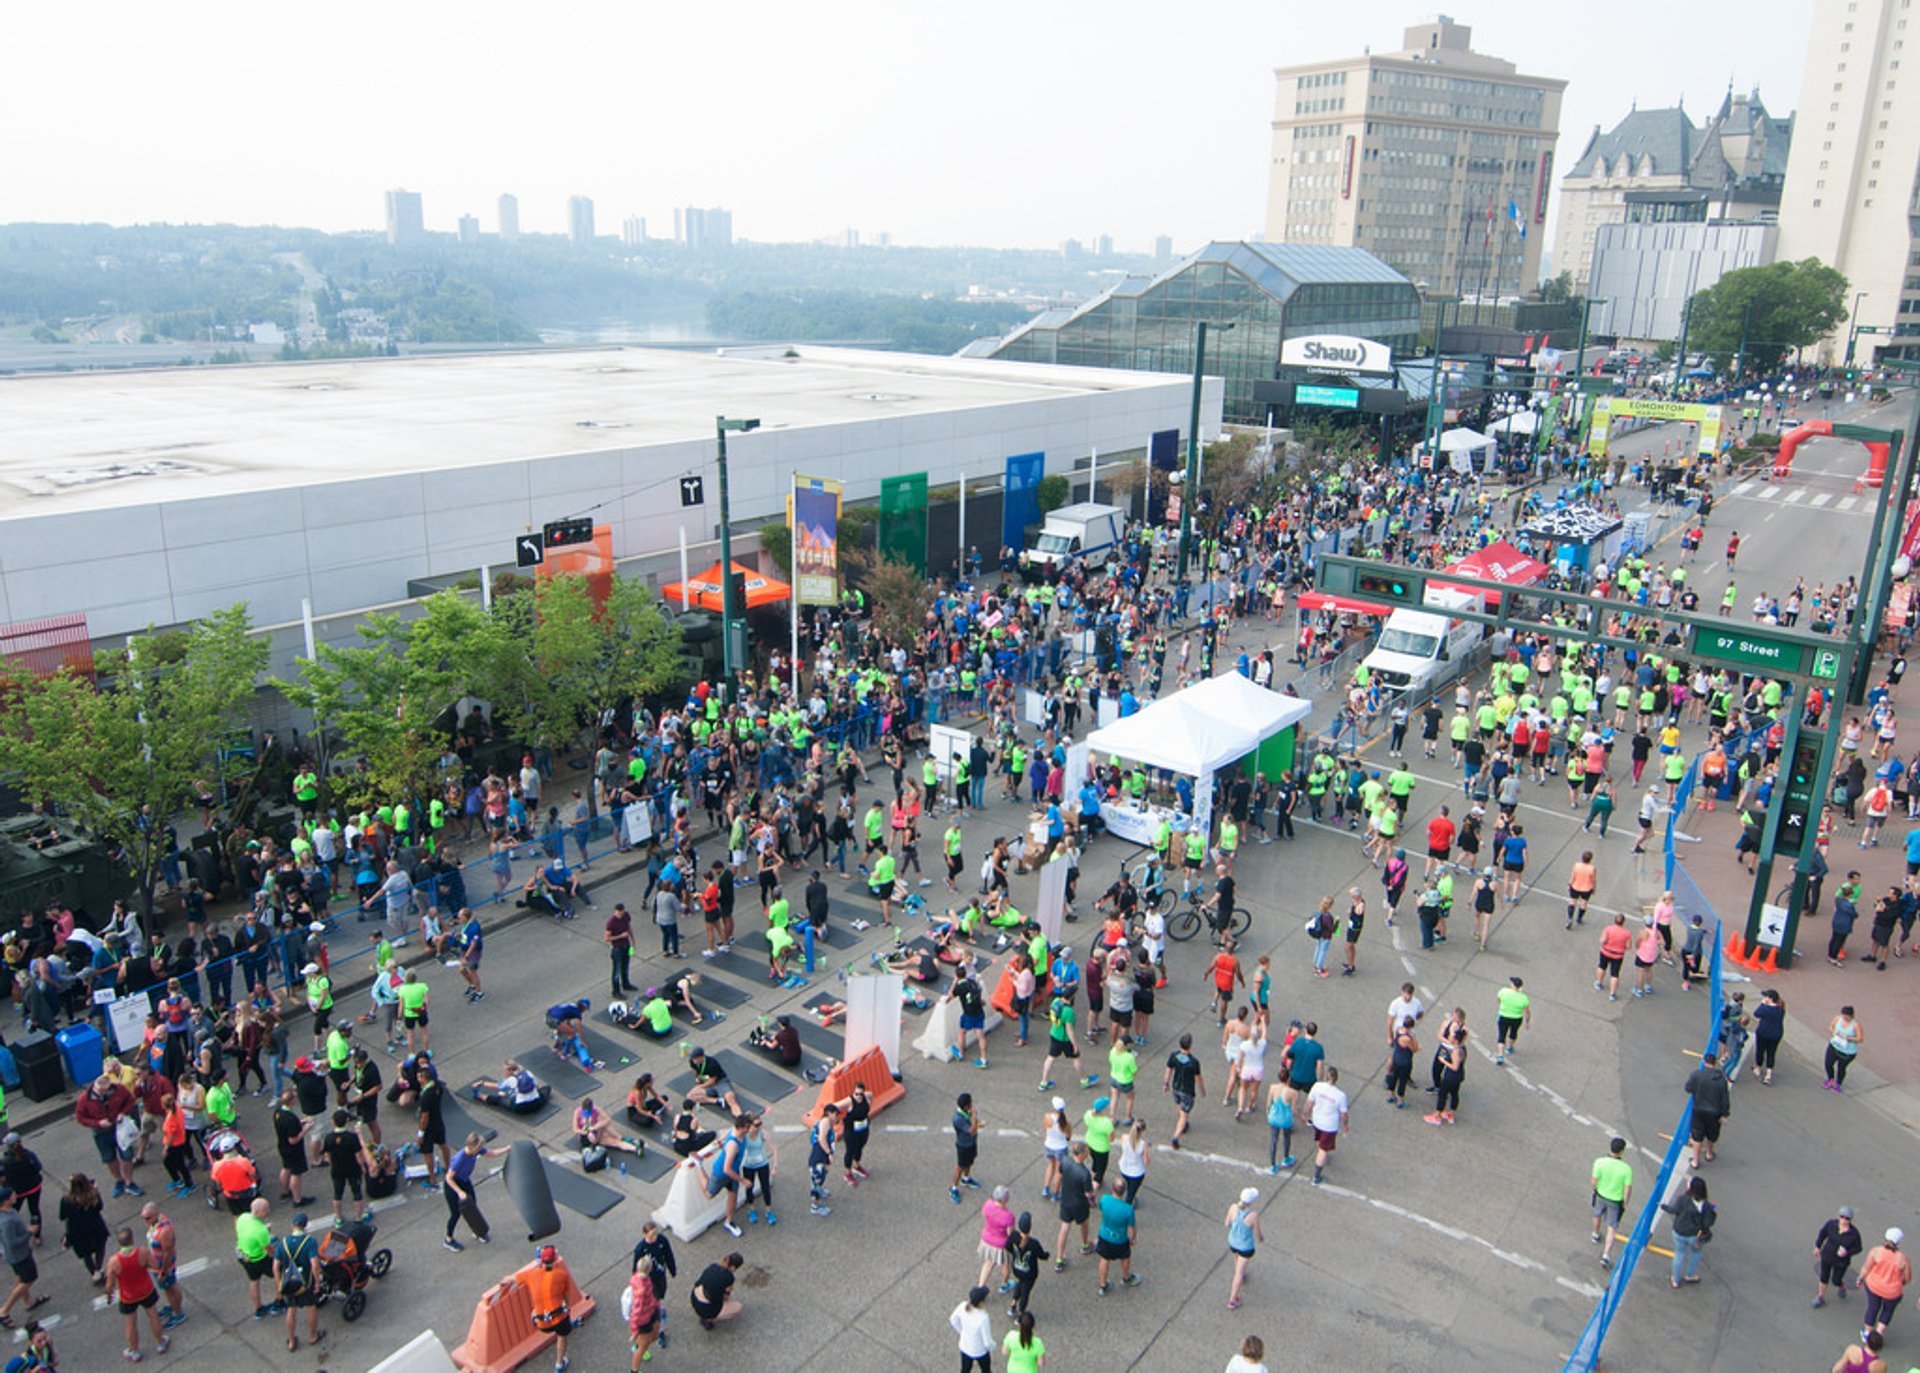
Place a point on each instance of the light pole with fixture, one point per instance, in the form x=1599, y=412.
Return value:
x=1190, y=488
x=1853, y=325
x=729, y=607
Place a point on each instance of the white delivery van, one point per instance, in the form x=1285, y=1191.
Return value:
x=1422, y=649
x=1086, y=532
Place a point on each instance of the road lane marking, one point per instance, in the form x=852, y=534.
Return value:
x=1767, y=493
x=1798, y=494
x=1849, y=503
x=1821, y=499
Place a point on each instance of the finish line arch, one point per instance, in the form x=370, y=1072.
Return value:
x=1790, y=442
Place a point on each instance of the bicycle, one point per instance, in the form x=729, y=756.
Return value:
x=1185, y=923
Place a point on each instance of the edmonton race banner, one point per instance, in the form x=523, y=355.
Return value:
x=816, y=540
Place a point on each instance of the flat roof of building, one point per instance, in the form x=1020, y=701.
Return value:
x=83, y=441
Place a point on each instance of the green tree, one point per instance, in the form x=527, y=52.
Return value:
x=1775, y=308
x=776, y=541
x=896, y=594
x=121, y=751
x=1052, y=492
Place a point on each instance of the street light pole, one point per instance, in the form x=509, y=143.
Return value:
x=1436, y=412
x=1189, y=488
x=1680, y=354
x=722, y=426
x=1853, y=325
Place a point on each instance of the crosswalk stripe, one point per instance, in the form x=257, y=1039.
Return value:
x=1743, y=488
x=1821, y=499
x=1767, y=493
x=1800, y=494
x=1849, y=503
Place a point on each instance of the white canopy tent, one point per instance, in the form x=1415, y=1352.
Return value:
x=1201, y=729
x=1519, y=422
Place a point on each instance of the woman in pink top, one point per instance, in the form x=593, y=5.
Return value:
x=1663, y=912
x=996, y=1223
x=1646, y=953
x=1614, y=942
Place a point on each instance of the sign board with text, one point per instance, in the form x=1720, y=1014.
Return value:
x=1337, y=353
x=1331, y=397
x=1750, y=648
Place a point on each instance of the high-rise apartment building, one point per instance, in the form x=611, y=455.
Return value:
x=580, y=221
x=469, y=229
x=509, y=218
x=1163, y=248
x=1851, y=185
x=633, y=232
x=699, y=228
x=1437, y=159
x=1657, y=167
x=405, y=221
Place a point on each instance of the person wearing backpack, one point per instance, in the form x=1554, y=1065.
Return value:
x=296, y=1277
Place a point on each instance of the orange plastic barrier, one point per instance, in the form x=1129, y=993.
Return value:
x=1003, y=992
x=502, y=1335
x=870, y=1071
x=1768, y=962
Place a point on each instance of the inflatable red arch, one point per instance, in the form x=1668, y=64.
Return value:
x=1783, y=461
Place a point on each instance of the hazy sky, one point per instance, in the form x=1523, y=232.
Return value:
x=990, y=122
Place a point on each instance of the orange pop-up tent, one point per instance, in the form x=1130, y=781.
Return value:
x=704, y=590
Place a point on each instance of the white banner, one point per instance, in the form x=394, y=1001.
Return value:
x=873, y=1015
x=1336, y=353
x=638, y=818
x=947, y=746
x=127, y=1018
x=1052, y=914
x=1033, y=707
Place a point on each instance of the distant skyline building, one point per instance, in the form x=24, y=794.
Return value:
x=580, y=221
x=698, y=228
x=1103, y=245
x=1436, y=158
x=406, y=221
x=1071, y=248
x=509, y=218
x=633, y=232
x=883, y=239
x=1848, y=198
x=1656, y=166
x=1163, y=248
x=469, y=229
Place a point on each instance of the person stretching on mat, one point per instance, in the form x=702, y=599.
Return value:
x=780, y=1039
x=688, y=1138
x=517, y=1090
x=645, y=1105
x=710, y=1084
x=592, y=1126
x=920, y=965
x=568, y=1041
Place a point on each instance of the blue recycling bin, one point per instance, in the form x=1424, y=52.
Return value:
x=82, y=1051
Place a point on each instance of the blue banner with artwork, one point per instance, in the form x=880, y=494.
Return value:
x=1021, y=508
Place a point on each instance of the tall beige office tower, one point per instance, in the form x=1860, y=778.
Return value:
x=1437, y=159
x=1851, y=178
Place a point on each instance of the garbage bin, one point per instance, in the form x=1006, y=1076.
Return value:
x=37, y=1058
x=83, y=1051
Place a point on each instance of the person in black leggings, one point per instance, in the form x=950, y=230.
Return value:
x=1400, y=1066
x=1025, y=1256
x=859, y=1119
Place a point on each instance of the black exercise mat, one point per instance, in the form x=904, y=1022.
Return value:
x=578, y=1192
x=460, y=1122
x=739, y=962
x=564, y=1075
x=681, y=1085
x=609, y=1052
x=827, y=1040
x=754, y=1074
x=547, y=1108
x=653, y=1165
x=721, y=992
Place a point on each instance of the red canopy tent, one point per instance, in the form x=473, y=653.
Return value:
x=1497, y=562
x=1345, y=605
x=704, y=590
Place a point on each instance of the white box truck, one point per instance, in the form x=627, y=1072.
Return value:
x=1422, y=649
x=1085, y=533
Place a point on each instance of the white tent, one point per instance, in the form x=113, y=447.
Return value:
x=1520, y=422
x=1201, y=729
x=1463, y=441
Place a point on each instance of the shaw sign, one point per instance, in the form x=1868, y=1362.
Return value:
x=1337, y=353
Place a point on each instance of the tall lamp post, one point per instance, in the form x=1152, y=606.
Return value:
x=729, y=607
x=1190, y=487
x=1436, y=408
x=1580, y=369
x=1853, y=325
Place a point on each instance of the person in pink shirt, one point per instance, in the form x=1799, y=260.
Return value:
x=1646, y=953
x=996, y=1223
x=1614, y=943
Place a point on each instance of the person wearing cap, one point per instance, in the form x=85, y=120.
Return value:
x=1833, y=1250
x=296, y=1278
x=1243, y=1234
x=973, y=1323
x=550, y=1285
x=318, y=990
x=1883, y=1278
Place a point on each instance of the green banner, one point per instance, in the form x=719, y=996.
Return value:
x=903, y=520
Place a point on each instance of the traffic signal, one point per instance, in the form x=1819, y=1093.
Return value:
x=1801, y=794
x=563, y=533
x=1386, y=588
x=739, y=596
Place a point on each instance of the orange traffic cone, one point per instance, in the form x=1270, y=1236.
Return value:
x=1736, y=949
x=1769, y=961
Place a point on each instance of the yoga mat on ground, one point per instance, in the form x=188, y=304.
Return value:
x=653, y=1165
x=563, y=1074
x=681, y=1085
x=755, y=1074
x=820, y=1039
x=578, y=1192
x=460, y=1122
x=467, y=1098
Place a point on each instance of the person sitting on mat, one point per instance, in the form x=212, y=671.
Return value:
x=652, y=1017
x=970, y=920
x=645, y=1105
x=592, y=1126
x=779, y=1039
x=517, y=1090
x=383, y=1172
x=829, y=1012
x=540, y=897
x=568, y=1042
x=688, y=1138
x=710, y=1084
x=1002, y=914
x=919, y=965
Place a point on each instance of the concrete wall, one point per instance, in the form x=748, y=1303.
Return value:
x=357, y=543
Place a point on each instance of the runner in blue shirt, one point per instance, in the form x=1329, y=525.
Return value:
x=1513, y=861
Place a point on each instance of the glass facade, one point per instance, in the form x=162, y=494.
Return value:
x=1268, y=292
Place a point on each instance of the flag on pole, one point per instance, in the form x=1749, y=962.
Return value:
x=1514, y=216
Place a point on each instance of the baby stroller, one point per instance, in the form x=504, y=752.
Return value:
x=348, y=1262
